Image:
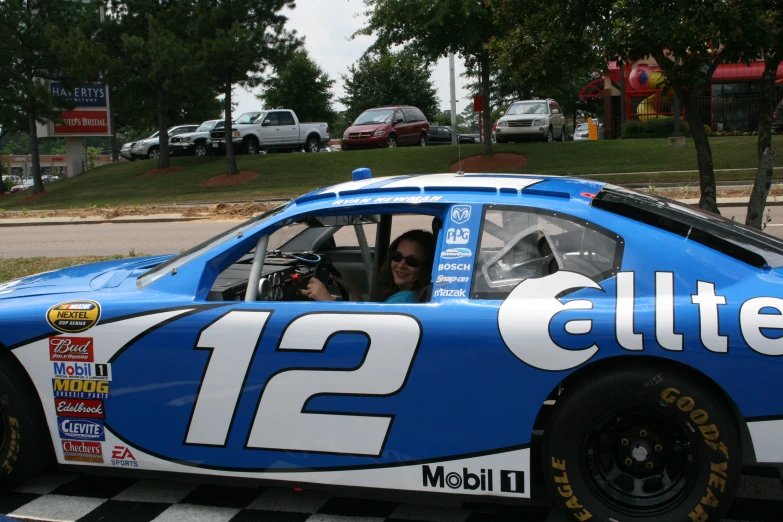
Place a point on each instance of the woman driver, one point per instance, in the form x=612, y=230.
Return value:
x=400, y=278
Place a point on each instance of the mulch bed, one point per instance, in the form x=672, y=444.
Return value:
x=501, y=162
x=230, y=179
x=30, y=198
x=157, y=172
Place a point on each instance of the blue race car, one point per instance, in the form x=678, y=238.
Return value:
x=619, y=350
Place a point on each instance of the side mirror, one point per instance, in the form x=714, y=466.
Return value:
x=399, y=120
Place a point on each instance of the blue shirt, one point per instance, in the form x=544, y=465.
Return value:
x=407, y=296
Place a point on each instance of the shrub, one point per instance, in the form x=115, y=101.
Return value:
x=652, y=128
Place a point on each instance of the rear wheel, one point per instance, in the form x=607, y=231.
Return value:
x=25, y=447
x=563, y=134
x=313, y=144
x=656, y=446
x=423, y=140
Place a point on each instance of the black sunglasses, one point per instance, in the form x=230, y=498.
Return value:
x=411, y=261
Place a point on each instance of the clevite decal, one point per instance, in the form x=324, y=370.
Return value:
x=74, y=316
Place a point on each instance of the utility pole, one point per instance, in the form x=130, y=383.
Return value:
x=453, y=101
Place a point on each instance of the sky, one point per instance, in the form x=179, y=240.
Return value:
x=326, y=31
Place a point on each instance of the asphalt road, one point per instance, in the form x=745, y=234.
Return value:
x=165, y=238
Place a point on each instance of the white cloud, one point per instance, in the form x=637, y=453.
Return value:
x=327, y=31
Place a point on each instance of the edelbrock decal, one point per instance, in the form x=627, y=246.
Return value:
x=90, y=408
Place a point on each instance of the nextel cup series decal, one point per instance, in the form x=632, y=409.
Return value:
x=74, y=316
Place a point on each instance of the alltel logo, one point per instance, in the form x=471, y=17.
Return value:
x=71, y=349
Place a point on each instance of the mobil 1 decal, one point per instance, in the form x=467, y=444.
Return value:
x=246, y=388
x=562, y=321
x=458, y=240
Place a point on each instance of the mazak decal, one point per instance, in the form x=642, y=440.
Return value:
x=459, y=267
x=80, y=388
x=444, y=292
x=98, y=372
x=456, y=253
x=81, y=429
x=457, y=236
x=82, y=451
x=71, y=349
x=122, y=456
x=460, y=213
x=74, y=316
x=507, y=481
x=87, y=408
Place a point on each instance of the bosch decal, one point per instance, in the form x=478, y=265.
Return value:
x=460, y=214
x=81, y=429
x=122, y=456
x=456, y=253
x=98, y=372
x=82, y=451
x=71, y=349
x=89, y=408
x=80, y=389
x=458, y=236
x=74, y=316
x=459, y=267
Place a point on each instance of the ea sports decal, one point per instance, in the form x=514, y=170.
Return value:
x=74, y=316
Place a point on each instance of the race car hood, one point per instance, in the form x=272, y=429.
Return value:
x=81, y=278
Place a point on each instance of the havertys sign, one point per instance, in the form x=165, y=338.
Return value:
x=88, y=95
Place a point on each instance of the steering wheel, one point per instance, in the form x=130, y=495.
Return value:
x=322, y=272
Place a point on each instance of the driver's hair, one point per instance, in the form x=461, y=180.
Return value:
x=426, y=240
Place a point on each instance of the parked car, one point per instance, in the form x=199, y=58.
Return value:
x=11, y=180
x=441, y=135
x=149, y=148
x=387, y=127
x=195, y=142
x=627, y=384
x=777, y=117
x=278, y=129
x=581, y=132
x=531, y=119
x=26, y=184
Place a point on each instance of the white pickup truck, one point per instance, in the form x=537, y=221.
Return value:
x=274, y=129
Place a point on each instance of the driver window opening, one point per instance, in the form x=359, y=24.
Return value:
x=328, y=248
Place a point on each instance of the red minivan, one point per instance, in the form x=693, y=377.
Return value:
x=387, y=127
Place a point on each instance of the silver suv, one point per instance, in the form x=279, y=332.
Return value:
x=148, y=148
x=531, y=119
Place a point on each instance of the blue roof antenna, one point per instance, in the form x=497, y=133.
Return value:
x=363, y=173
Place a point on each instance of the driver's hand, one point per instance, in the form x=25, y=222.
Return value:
x=317, y=291
x=348, y=284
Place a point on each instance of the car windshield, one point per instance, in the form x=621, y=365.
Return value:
x=154, y=135
x=375, y=116
x=581, y=126
x=188, y=255
x=250, y=117
x=527, y=108
x=206, y=126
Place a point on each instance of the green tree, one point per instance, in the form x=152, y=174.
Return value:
x=771, y=18
x=239, y=39
x=434, y=29
x=148, y=68
x=301, y=85
x=688, y=40
x=42, y=39
x=389, y=78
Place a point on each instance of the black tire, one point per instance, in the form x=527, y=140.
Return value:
x=249, y=146
x=313, y=144
x=153, y=153
x=563, y=134
x=423, y=140
x=613, y=438
x=25, y=446
x=200, y=149
x=549, y=136
x=392, y=141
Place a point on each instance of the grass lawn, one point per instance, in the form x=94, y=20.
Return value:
x=285, y=175
x=16, y=267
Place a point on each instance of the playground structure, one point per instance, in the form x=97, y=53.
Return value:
x=646, y=99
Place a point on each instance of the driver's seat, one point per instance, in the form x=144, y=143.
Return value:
x=424, y=294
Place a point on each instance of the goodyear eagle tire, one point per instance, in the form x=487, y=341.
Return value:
x=639, y=445
x=25, y=447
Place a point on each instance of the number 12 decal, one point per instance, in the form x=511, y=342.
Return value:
x=280, y=422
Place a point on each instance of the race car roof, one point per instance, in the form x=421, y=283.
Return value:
x=485, y=185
